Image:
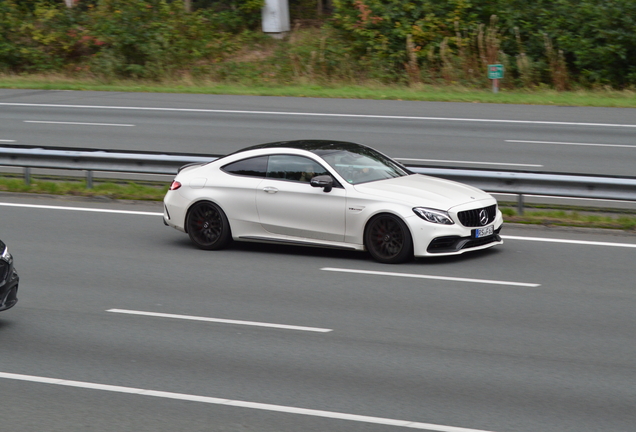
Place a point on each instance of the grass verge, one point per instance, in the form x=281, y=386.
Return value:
x=371, y=90
x=112, y=190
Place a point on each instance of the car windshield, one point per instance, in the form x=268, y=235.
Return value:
x=362, y=165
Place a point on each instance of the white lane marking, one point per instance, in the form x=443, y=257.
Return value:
x=141, y=213
x=420, y=276
x=469, y=162
x=77, y=123
x=85, y=209
x=573, y=143
x=284, y=113
x=220, y=320
x=2, y=140
x=566, y=241
x=237, y=403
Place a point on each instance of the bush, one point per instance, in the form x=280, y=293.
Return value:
x=560, y=42
x=151, y=39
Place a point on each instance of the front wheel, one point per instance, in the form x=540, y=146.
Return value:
x=207, y=226
x=388, y=239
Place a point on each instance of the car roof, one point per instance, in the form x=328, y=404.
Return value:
x=314, y=146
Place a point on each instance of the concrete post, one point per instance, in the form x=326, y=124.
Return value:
x=276, y=17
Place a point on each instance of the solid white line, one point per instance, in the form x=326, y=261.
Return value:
x=420, y=276
x=566, y=241
x=77, y=123
x=84, y=209
x=1, y=140
x=283, y=113
x=220, y=320
x=573, y=143
x=237, y=403
x=469, y=162
x=141, y=213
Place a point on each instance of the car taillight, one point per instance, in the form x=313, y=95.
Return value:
x=175, y=185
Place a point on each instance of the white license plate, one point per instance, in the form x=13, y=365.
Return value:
x=485, y=231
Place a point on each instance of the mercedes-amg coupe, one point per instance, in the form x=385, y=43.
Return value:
x=329, y=194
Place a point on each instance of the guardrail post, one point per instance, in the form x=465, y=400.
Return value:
x=89, y=179
x=520, y=204
x=27, y=175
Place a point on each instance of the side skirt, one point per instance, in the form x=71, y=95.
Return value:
x=342, y=246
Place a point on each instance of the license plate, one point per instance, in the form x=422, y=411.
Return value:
x=485, y=231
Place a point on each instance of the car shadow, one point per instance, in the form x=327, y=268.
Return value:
x=484, y=254
x=305, y=251
x=358, y=256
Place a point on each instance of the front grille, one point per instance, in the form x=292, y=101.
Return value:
x=470, y=218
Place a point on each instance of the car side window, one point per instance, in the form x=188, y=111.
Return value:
x=251, y=167
x=294, y=168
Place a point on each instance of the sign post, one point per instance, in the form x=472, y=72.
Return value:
x=495, y=73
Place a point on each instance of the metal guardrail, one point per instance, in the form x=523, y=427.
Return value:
x=90, y=160
x=508, y=182
x=528, y=183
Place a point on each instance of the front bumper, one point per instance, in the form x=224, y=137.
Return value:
x=440, y=240
x=451, y=245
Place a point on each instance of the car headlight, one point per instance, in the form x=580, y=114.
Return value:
x=434, y=216
x=6, y=255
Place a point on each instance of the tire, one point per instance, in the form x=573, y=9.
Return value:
x=388, y=239
x=207, y=226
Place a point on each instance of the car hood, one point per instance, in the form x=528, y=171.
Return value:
x=425, y=191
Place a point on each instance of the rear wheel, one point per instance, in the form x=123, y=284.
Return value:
x=207, y=226
x=388, y=239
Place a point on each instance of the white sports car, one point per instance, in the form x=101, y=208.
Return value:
x=329, y=194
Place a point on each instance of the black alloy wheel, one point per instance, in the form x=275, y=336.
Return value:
x=207, y=226
x=388, y=239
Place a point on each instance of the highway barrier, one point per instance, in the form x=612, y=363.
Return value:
x=518, y=183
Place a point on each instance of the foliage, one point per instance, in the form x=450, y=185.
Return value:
x=549, y=40
x=150, y=38
x=233, y=16
x=41, y=38
x=562, y=44
x=599, y=39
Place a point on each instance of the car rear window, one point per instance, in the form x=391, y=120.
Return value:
x=251, y=167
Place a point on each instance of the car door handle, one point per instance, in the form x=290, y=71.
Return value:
x=270, y=189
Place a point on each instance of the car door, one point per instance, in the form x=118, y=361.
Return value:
x=288, y=205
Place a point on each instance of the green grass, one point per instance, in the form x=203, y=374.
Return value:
x=574, y=218
x=124, y=190
x=595, y=98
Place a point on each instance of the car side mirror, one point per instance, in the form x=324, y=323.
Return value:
x=324, y=181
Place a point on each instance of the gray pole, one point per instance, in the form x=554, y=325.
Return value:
x=276, y=17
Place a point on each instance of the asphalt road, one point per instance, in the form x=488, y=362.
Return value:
x=598, y=141
x=529, y=336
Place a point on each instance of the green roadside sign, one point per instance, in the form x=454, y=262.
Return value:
x=495, y=71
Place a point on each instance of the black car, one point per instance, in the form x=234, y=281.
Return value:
x=8, y=279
